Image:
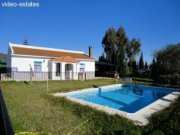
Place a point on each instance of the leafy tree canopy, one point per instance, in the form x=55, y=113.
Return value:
x=119, y=50
x=102, y=58
x=133, y=49
x=166, y=65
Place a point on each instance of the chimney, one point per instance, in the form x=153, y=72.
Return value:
x=90, y=51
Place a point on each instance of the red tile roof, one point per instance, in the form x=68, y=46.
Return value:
x=49, y=53
x=66, y=59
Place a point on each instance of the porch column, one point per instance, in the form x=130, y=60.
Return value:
x=75, y=74
x=50, y=70
x=53, y=71
x=63, y=71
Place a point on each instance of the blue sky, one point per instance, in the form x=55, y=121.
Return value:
x=76, y=24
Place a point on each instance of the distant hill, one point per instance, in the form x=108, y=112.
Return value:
x=2, y=57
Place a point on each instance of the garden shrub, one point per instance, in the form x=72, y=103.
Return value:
x=164, y=79
x=165, y=122
x=175, y=78
x=100, y=123
x=166, y=65
x=169, y=79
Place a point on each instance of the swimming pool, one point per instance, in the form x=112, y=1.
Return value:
x=135, y=102
x=128, y=98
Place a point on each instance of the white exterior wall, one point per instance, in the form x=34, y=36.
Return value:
x=23, y=63
x=89, y=66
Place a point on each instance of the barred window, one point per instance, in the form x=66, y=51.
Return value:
x=37, y=66
x=82, y=67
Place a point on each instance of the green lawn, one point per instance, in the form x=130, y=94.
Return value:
x=32, y=109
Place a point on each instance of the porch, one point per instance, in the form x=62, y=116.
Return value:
x=63, y=68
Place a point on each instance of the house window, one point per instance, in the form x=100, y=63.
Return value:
x=82, y=67
x=37, y=66
x=58, y=69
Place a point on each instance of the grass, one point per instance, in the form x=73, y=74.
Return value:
x=165, y=122
x=32, y=109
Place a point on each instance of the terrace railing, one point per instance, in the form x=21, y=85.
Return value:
x=5, y=123
x=42, y=76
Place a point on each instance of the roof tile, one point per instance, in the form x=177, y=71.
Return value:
x=49, y=53
x=66, y=59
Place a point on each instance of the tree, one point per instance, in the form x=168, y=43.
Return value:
x=109, y=44
x=119, y=51
x=146, y=66
x=134, y=67
x=141, y=62
x=133, y=49
x=25, y=42
x=126, y=70
x=122, y=42
x=166, y=66
x=102, y=58
x=153, y=68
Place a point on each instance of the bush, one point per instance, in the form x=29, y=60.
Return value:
x=164, y=79
x=3, y=69
x=100, y=122
x=169, y=79
x=165, y=122
x=175, y=78
x=157, y=132
x=166, y=65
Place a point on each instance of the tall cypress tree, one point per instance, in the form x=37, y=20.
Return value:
x=146, y=66
x=134, y=67
x=153, y=68
x=141, y=61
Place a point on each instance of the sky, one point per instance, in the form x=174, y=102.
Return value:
x=76, y=24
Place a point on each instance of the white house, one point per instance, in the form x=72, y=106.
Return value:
x=54, y=64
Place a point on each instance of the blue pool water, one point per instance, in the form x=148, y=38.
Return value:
x=128, y=98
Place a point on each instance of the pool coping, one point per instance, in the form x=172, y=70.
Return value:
x=140, y=117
